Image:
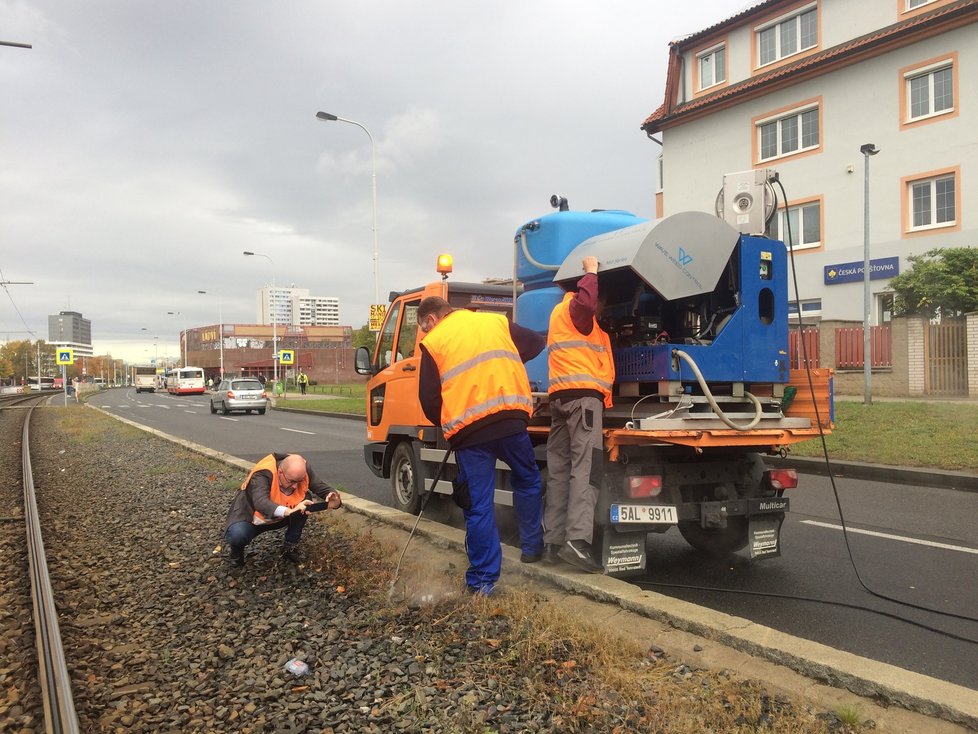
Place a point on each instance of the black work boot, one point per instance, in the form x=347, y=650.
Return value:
x=237, y=558
x=578, y=553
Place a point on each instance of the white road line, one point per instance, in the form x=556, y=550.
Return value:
x=165, y=407
x=915, y=541
x=226, y=418
x=194, y=412
x=296, y=430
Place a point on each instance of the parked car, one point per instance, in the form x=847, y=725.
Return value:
x=244, y=393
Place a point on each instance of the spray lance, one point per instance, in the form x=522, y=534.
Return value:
x=424, y=504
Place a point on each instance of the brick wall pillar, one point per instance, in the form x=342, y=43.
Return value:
x=915, y=355
x=971, y=321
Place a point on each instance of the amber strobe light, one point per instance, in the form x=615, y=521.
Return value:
x=444, y=265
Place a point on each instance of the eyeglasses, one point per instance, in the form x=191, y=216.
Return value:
x=284, y=480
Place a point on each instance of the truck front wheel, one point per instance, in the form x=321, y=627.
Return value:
x=405, y=480
x=716, y=541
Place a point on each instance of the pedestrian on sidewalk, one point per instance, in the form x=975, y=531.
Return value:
x=303, y=380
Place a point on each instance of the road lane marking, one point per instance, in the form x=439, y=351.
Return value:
x=888, y=536
x=194, y=412
x=296, y=430
x=226, y=418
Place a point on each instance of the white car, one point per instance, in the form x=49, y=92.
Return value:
x=242, y=393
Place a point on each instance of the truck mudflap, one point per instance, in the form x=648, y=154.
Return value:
x=624, y=543
x=374, y=454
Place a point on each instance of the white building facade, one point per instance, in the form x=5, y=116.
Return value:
x=801, y=88
x=295, y=306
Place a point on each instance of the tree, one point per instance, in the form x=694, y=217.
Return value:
x=941, y=283
x=363, y=337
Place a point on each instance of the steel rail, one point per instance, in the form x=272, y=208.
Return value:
x=59, y=706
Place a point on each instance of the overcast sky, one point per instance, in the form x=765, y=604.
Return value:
x=145, y=145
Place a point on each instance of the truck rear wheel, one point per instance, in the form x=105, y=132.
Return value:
x=716, y=541
x=405, y=480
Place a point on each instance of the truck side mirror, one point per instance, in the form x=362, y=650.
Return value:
x=362, y=363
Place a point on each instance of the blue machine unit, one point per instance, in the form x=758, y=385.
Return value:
x=689, y=281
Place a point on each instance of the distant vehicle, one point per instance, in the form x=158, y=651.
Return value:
x=47, y=383
x=244, y=393
x=59, y=383
x=99, y=382
x=145, y=378
x=185, y=381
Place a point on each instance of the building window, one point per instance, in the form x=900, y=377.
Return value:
x=805, y=222
x=930, y=91
x=809, y=309
x=788, y=134
x=932, y=203
x=787, y=35
x=911, y=4
x=713, y=66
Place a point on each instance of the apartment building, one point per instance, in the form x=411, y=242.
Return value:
x=295, y=306
x=832, y=94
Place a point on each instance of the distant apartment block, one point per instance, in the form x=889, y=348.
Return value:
x=295, y=306
x=69, y=329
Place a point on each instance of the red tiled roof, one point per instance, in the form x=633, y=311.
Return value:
x=814, y=64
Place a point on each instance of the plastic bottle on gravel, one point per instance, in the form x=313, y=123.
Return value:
x=297, y=667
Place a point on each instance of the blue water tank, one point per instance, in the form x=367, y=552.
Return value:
x=541, y=246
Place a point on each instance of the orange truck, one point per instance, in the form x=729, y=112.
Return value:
x=698, y=315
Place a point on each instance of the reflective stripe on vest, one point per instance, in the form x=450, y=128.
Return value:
x=270, y=464
x=480, y=368
x=578, y=361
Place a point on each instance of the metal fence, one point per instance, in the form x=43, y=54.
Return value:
x=849, y=347
x=946, y=358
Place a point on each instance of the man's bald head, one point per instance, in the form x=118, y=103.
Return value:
x=293, y=467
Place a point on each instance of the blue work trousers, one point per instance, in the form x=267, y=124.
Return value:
x=240, y=534
x=477, y=466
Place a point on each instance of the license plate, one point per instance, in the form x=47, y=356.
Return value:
x=644, y=514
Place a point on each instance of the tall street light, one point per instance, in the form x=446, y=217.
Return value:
x=184, y=346
x=220, y=316
x=327, y=117
x=867, y=150
x=271, y=309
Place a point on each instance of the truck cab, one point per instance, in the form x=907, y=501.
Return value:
x=399, y=436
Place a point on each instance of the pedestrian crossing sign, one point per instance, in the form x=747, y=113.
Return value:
x=286, y=356
x=66, y=356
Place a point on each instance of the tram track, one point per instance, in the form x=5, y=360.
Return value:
x=35, y=694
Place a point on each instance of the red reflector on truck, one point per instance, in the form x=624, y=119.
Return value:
x=644, y=486
x=782, y=478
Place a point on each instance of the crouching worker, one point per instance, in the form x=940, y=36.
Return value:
x=275, y=496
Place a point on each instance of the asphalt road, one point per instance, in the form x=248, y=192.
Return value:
x=915, y=544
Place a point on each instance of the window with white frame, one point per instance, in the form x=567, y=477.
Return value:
x=713, y=66
x=659, y=171
x=788, y=134
x=911, y=4
x=930, y=91
x=932, y=202
x=805, y=222
x=787, y=35
x=809, y=309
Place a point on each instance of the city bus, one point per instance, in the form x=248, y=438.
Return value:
x=145, y=378
x=185, y=381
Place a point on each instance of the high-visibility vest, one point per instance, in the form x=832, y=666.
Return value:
x=270, y=464
x=578, y=361
x=480, y=368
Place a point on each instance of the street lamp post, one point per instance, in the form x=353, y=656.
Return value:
x=184, y=346
x=271, y=309
x=867, y=150
x=327, y=117
x=220, y=316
